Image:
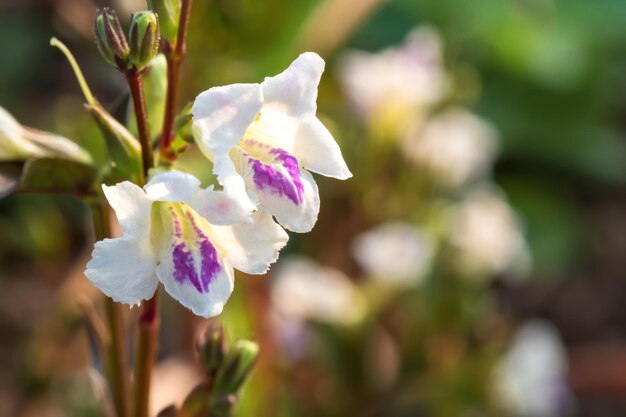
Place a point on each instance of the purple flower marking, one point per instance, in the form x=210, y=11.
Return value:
x=267, y=177
x=183, y=259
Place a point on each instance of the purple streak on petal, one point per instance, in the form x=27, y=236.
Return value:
x=266, y=177
x=177, y=230
x=183, y=260
x=209, y=264
x=184, y=269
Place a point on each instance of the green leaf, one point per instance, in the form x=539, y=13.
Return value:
x=58, y=176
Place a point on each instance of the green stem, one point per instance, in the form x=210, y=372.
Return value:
x=174, y=56
x=139, y=103
x=117, y=366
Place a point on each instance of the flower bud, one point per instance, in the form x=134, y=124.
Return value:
x=169, y=16
x=144, y=38
x=211, y=348
x=238, y=364
x=110, y=38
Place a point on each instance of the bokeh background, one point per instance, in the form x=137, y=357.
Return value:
x=474, y=266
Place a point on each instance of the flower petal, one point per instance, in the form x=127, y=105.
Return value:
x=282, y=187
x=221, y=116
x=132, y=208
x=123, y=269
x=218, y=207
x=190, y=266
x=317, y=150
x=252, y=247
x=294, y=91
x=172, y=186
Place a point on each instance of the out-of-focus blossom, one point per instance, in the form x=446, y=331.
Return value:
x=262, y=139
x=305, y=290
x=532, y=378
x=394, y=252
x=454, y=146
x=487, y=235
x=399, y=83
x=183, y=236
x=18, y=143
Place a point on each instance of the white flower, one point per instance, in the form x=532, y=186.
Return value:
x=532, y=378
x=487, y=235
x=394, y=252
x=302, y=289
x=404, y=78
x=178, y=234
x=260, y=138
x=19, y=143
x=455, y=146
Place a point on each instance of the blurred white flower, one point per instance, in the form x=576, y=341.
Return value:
x=532, y=378
x=454, y=146
x=487, y=235
x=303, y=289
x=394, y=252
x=398, y=82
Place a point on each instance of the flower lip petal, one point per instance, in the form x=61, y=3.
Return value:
x=191, y=267
x=172, y=186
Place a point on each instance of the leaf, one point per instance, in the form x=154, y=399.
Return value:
x=58, y=176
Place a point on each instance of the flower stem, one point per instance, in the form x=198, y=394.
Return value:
x=117, y=366
x=136, y=91
x=174, y=56
x=148, y=327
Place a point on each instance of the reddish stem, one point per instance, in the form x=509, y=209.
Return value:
x=174, y=56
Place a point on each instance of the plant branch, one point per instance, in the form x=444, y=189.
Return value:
x=148, y=327
x=117, y=365
x=174, y=55
x=136, y=91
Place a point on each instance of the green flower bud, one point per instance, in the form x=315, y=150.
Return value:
x=169, y=16
x=238, y=364
x=144, y=38
x=211, y=348
x=110, y=38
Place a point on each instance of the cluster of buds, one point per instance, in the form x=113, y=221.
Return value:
x=143, y=41
x=227, y=367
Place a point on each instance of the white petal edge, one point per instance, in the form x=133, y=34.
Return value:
x=123, y=269
x=132, y=208
x=221, y=115
x=252, y=247
x=172, y=186
x=317, y=150
x=294, y=91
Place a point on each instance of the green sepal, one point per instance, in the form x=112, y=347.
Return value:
x=169, y=17
x=144, y=39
